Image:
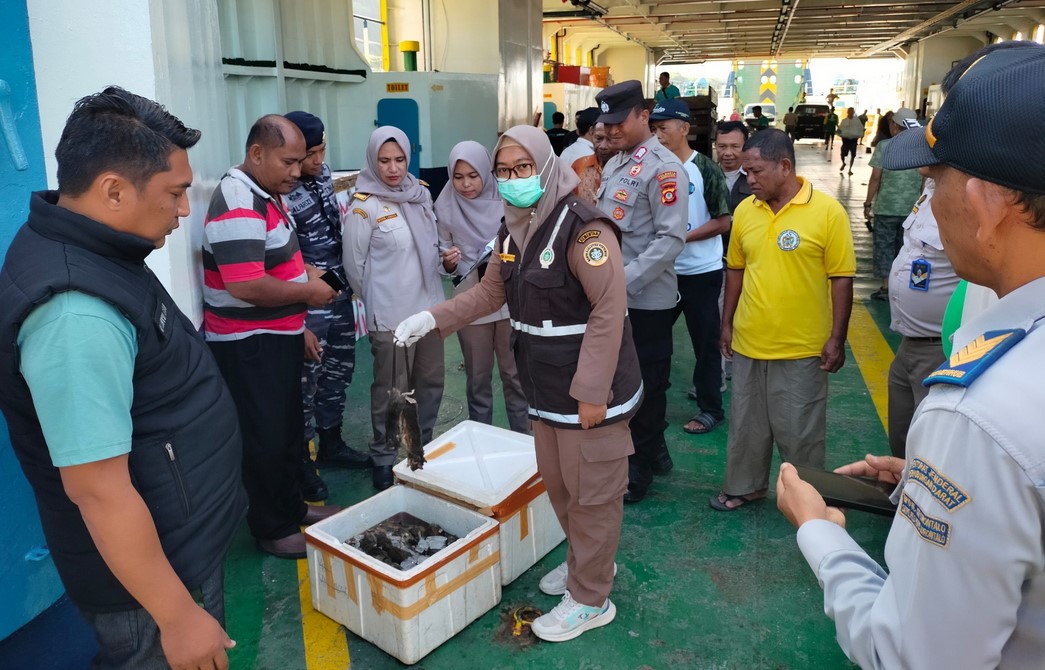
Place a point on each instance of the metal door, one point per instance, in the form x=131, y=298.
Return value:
x=403, y=113
x=27, y=575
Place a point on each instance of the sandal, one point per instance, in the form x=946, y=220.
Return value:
x=705, y=424
x=721, y=501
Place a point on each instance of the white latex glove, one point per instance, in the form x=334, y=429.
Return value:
x=413, y=328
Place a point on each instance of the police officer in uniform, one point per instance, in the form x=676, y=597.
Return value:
x=330, y=333
x=966, y=581
x=560, y=270
x=645, y=192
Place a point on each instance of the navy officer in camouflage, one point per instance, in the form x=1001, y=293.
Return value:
x=645, y=191
x=330, y=336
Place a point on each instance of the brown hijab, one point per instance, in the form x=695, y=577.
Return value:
x=556, y=181
x=413, y=199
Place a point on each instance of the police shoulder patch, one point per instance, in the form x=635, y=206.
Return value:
x=964, y=366
x=587, y=235
x=596, y=253
x=360, y=196
x=361, y=212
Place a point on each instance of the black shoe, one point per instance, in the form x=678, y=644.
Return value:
x=312, y=487
x=881, y=294
x=382, y=477
x=662, y=464
x=639, y=480
x=634, y=494
x=291, y=546
x=316, y=513
x=334, y=453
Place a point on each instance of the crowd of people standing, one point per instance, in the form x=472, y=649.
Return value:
x=574, y=289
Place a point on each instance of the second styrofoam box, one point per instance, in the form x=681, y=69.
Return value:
x=493, y=471
x=407, y=613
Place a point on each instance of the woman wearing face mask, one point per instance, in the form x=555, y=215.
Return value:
x=557, y=263
x=391, y=256
x=469, y=211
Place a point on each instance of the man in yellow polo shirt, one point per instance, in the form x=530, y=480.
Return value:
x=789, y=293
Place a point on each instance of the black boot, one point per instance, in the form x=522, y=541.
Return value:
x=334, y=453
x=312, y=487
x=382, y=477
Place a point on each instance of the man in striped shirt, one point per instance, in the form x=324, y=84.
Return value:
x=256, y=290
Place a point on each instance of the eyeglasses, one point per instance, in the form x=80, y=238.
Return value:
x=522, y=171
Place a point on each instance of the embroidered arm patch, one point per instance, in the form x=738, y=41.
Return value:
x=932, y=530
x=949, y=494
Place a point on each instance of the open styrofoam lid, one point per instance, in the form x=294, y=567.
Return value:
x=475, y=463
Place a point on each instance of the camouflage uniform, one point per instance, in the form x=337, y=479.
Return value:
x=318, y=219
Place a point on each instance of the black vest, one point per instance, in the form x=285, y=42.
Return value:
x=185, y=453
x=549, y=313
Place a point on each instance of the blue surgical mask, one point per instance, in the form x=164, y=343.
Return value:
x=521, y=192
x=524, y=192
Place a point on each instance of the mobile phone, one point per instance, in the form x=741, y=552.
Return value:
x=866, y=495
x=334, y=281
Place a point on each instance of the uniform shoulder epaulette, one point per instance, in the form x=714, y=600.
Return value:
x=360, y=196
x=423, y=183
x=963, y=367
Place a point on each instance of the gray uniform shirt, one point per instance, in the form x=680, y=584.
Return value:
x=646, y=193
x=381, y=260
x=917, y=306
x=966, y=551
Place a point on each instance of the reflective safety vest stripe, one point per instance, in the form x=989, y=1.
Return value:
x=611, y=412
x=546, y=329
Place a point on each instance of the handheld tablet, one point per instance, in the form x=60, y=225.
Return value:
x=333, y=281
x=866, y=495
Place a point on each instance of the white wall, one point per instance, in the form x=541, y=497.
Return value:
x=405, y=22
x=629, y=62
x=465, y=36
x=165, y=51
x=928, y=62
x=521, y=61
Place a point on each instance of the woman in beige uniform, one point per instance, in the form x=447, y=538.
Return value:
x=469, y=211
x=558, y=264
x=391, y=257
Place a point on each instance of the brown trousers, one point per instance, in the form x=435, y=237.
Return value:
x=586, y=475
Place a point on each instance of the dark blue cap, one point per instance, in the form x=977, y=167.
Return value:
x=671, y=109
x=616, y=102
x=987, y=122
x=310, y=126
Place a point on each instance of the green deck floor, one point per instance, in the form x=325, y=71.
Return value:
x=696, y=588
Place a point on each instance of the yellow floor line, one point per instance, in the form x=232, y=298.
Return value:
x=873, y=356
x=325, y=645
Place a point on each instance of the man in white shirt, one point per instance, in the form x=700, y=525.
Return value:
x=699, y=264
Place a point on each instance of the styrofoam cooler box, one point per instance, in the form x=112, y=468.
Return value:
x=493, y=471
x=407, y=613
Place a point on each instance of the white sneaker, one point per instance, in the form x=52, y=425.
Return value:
x=570, y=618
x=554, y=583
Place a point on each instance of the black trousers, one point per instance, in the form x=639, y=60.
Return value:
x=849, y=147
x=699, y=303
x=264, y=375
x=651, y=331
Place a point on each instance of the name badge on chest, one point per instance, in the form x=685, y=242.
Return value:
x=920, y=271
